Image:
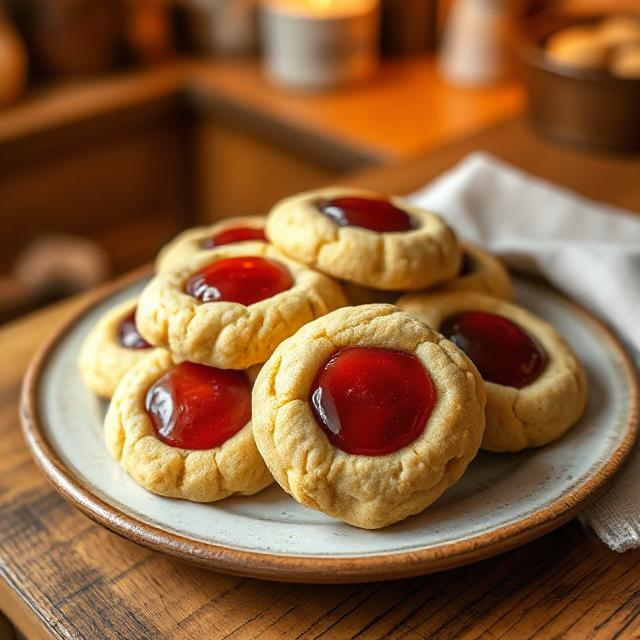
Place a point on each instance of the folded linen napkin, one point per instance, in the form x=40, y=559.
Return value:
x=588, y=250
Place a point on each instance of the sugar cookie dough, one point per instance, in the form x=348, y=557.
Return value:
x=225, y=334
x=193, y=241
x=202, y=475
x=537, y=413
x=480, y=272
x=369, y=491
x=420, y=257
x=104, y=359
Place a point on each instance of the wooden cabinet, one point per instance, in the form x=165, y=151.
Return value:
x=130, y=159
x=241, y=173
x=122, y=179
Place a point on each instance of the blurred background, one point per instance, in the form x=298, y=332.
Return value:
x=124, y=121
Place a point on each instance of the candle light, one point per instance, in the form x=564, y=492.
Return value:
x=320, y=43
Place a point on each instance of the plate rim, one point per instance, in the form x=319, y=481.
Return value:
x=310, y=569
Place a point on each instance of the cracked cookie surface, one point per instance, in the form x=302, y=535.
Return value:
x=231, y=335
x=191, y=242
x=486, y=274
x=366, y=491
x=103, y=359
x=415, y=259
x=235, y=467
x=532, y=415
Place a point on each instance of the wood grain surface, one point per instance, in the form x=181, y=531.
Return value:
x=66, y=577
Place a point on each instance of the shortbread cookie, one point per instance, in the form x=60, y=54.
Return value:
x=577, y=46
x=536, y=388
x=111, y=348
x=625, y=63
x=184, y=430
x=193, y=241
x=620, y=30
x=364, y=238
x=231, y=307
x=368, y=415
x=357, y=294
x=480, y=272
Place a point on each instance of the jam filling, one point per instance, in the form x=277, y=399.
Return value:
x=128, y=335
x=501, y=350
x=372, y=401
x=235, y=234
x=468, y=265
x=375, y=214
x=245, y=279
x=197, y=407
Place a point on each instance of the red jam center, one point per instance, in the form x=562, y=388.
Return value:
x=245, y=280
x=198, y=407
x=128, y=335
x=377, y=215
x=236, y=234
x=501, y=350
x=372, y=401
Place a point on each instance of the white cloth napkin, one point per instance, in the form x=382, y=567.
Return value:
x=589, y=250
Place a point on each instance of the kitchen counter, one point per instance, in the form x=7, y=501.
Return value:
x=402, y=112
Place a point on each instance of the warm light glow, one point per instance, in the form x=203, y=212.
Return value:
x=322, y=8
x=322, y=4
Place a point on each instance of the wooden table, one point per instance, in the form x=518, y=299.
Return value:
x=63, y=576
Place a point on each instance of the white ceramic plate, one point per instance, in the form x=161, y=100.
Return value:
x=502, y=500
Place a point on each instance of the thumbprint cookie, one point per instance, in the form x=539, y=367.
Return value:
x=231, y=307
x=111, y=348
x=183, y=430
x=536, y=387
x=194, y=241
x=368, y=415
x=480, y=272
x=365, y=238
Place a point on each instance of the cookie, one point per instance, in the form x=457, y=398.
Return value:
x=111, y=348
x=368, y=415
x=578, y=46
x=193, y=241
x=232, y=306
x=536, y=387
x=620, y=30
x=625, y=62
x=357, y=294
x=364, y=238
x=184, y=430
x=480, y=272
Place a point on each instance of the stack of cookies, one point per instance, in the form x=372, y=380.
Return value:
x=610, y=44
x=347, y=346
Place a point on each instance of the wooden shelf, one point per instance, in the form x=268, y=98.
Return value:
x=72, y=102
x=406, y=110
